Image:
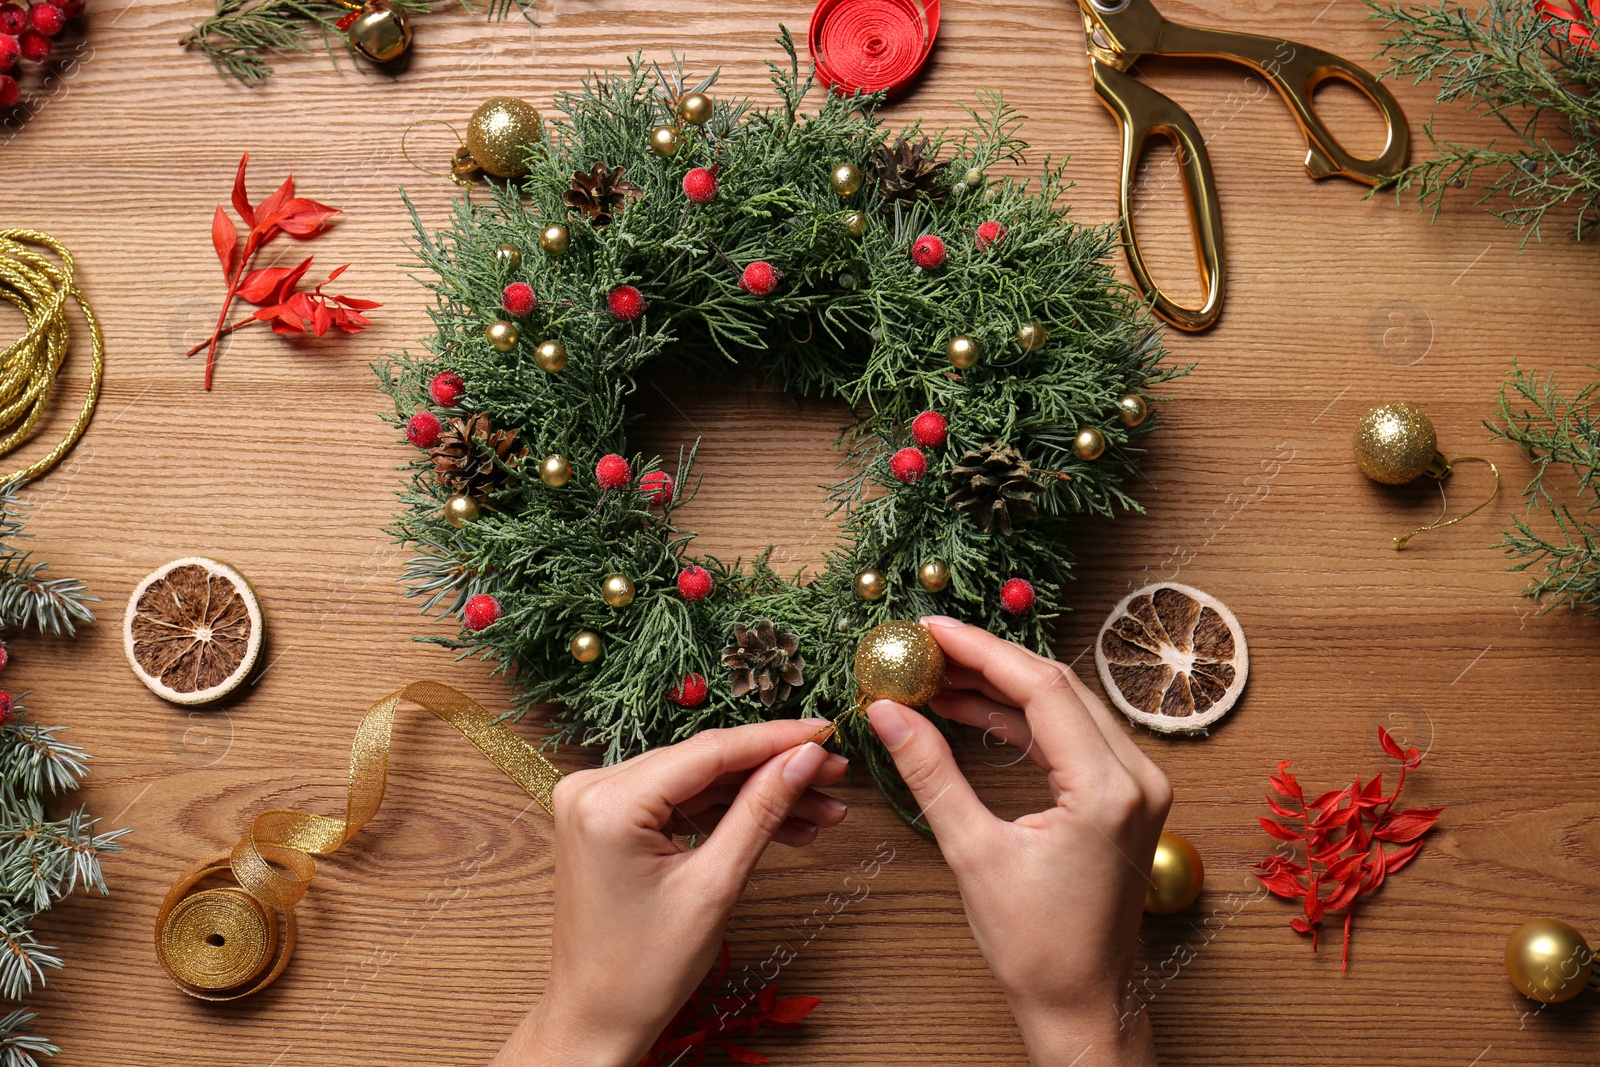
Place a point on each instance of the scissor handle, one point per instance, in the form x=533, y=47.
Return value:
x=1144, y=113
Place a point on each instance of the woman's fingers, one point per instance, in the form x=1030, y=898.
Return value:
x=680, y=771
x=945, y=798
x=795, y=832
x=693, y=813
x=1001, y=722
x=765, y=801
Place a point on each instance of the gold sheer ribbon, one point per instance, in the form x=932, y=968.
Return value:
x=228, y=942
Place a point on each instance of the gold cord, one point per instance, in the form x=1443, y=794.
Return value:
x=1440, y=523
x=406, y=152
x=228, y=942
x=39, y=287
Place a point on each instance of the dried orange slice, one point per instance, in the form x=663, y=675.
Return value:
x=1172, y=657
x=193, y=630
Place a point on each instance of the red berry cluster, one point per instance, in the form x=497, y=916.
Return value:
x=25, y=34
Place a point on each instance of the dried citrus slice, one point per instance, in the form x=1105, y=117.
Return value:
x=193, y=630
x=1172, y=657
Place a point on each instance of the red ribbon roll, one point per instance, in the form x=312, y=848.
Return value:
x=872, y=45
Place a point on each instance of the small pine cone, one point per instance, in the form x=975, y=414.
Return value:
x=764, y=660
x=995, y=486
x=470, y=453
x=599, y=194
x=907, y=173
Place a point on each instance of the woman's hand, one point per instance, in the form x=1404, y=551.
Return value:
x=637, y=918
x=1054, y=898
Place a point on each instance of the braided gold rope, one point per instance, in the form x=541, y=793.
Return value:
x=39, y=287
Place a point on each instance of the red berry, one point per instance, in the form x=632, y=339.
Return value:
x=690, y=692
x=70, y=8
x=760, y=278
x=694, y=583
x=422, y=429
x=5, y=655
x=7, y=706
x=447, y=388
x=700, y=185
x=47, y=19
x=9, y=93
x=657, y=485
x=625, y=303
x=930, y=429
x=481, y=611
x=908, y=464
x=989, y=233
x=1016, y=596
x=928, y=252
x=35, y=46
x=612, y=472
x=518, y=299
x=10, y=52
x=13, y=20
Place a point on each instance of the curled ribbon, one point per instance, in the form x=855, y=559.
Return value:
x=872, y=45
x=231, y=941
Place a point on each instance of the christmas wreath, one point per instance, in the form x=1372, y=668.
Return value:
x=997, y=371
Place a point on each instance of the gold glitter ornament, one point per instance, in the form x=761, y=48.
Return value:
x=1177, y=874
x=1396, y=443
x=695, y=108
x=461, y=509
x=381, y=32
x=845, y=179
x=1550, y=962
x=934, y=575
x=498, y=135
x=962, y=352
x=900, y=661
x=551, y=356
x=1132, y=410
x=554, y=239
x=1031, y=336
x=585, y=646
x=1089, y=444
x=617, y=590
x=502, y=335
x=871, y=585
x=554, y=471
x=664, y=140
x=508, y=256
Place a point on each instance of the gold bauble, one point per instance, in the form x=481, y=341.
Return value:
x=502, y=335
x=962, y=352
x=934, y=575
x=381, y=32
x=508, y=256
x=1031, y=336
x=845, y=179
x=554, y=471
x=617, y=590
x=585, y=646
x=664, y=140
x=1090, y=444
x=871, y=585
x=1395, y=443
x=899, y=661
x=1132, y=410
x=551, y=356
x=1177, y=875
x=695, y=108
x=856, y=222
x=554, y=239
x=460, y=510
x=498, y=134
x=1548, y=961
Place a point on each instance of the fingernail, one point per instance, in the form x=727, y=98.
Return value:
x=889, y=723
x=837, y=760
x=941, y=620
x=817, y=720
x=833, y=803
x=803, y=766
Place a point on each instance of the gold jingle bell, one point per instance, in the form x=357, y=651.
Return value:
x=934, y=575
x=381, y=32
x=900, y=661
x=1550, y=962
x=664, y=140
x=1031, y=336
x=1177, y=874
x=1395, y=443
x=871, y=585
x=554, y=471
x=1089, y=445
x=508, y=256
x=845, y=179
x=460, y=509
x=695, y=108
x=1132, y=410
x=585, y=646
x=554, y=239
x=551, y=356
x=498, y=135
x=962, y=352
x=617, y=590
x=502, y=335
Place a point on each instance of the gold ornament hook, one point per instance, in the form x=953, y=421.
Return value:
x=406, y=153
x=1441, y=522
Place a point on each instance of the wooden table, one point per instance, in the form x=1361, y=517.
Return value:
x=428, y=937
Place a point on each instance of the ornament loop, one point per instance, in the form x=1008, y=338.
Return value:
x=1441, y=522
x=406, y=153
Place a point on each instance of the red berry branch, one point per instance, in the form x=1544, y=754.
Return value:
x=274, y=290
x=707, y=1021
x=1342, y=834
x=25, y=33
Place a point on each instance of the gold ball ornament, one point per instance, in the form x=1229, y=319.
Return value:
x=1089, y=445
x=499, y=132
x=617, y=590
x=664, y=140
x=962, y=352
x=845, y=179
x=1132, y=410
x=1031, y=336
x=554, y=471
x=900, y=661
x=1549, y=961
x=585, y=646
x=381, y=32
x=1177, y=875
x=508, y=256
x=1395, y=443
x=855, y=223
x=555, y=239
x=502, y=335
x=695, y=108
x=551, y=356
x=460, y=510
x=934, y=575
x=871, y=585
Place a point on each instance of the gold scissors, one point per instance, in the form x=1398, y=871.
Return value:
x=1121, y=32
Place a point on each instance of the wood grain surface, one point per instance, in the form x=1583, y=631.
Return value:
x=427, y=938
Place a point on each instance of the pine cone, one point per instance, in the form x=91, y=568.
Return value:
x=907, y=173
x=764, y=660
x=599, y=194
x=464, y=460
x=994, y=485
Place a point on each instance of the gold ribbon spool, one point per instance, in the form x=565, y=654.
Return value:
x=228, y=942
